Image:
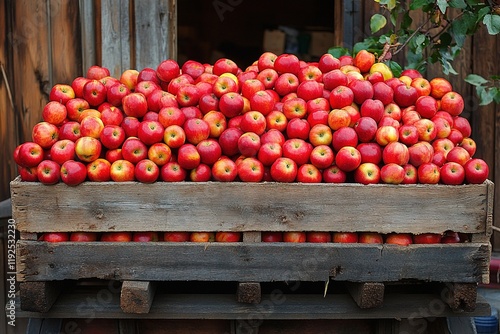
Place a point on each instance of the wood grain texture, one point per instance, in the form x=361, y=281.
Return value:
x=273, y=306
x=367, y=294
x=137, y=296
x=256, y=262
x=38, y=296
x=215, y=206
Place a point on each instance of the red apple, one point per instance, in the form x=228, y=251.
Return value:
x=88, y=149
x=345, y=237
x=296, y=237
x=470, y=145
x=309, y=90
x=318, y=237
x=362, y=90
x=62, y=151
x=405, y=96
x=228, y=236
x=48, y=172
x=249, y=144
x=284, y=170
x=370, y=238
x=396, y=152
x=426, y=106
x=129, y=78
x=73, y=172
x=411, y=175
x=45, y=134
x=367, y=173
x=135, y=105
x=476, y=171
x=392, y=173
x=172, y=172
x=134, y=150
x=286, y=83
x=94, y=92
x=334, y=174
x=122, y=171
x=224, y=170
x=96, y=72
x=55, y=237
x=386, y=134
x=401, y=239
x=452, y=173
x=370, y=152
x=459, y=155
x=116, y=237
x=99, y=170
x=83, y=236
x=250, y=170
x=348, y=158
x=345, y=136
x=308, y=173
x=287, y=63
x=228, y=141
x=420, y=153
x=146, y=171
x=176, y=236
x=268, y=77
x=272, y=236
x=428, y=173
x=29, y=154
x=91, y=126
x=439, y=87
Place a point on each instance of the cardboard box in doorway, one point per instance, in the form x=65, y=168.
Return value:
x=274, y=41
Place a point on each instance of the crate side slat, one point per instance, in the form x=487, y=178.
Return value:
x=256, y=262
x=216, y=206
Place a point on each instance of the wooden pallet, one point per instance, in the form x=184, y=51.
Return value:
x=251, y=209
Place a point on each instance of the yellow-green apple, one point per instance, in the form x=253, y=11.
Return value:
x=116, y=237
x=322, y=156
x=113, y=155
x=75, y=107
x=145, y=236
x=345, y=237
x=83, y=236
x=401, y=239
x=96, y=72
x=420, y=153
x=319, y=134
x=116, y=93
x=428, y=173
x=269, y=152
x=285, y=84
x=224, y=170
x=54, y=113
x=172, y=172
x=150, y=132
x=250, y=87
x=328, y=62
x=276, y=120
x=298, y=150
x=348, y=158
x=370, y=152
x=209, y=150
x=77, y=85
x=396, y=152
x=284, y=170
x=250, y=169
x=362, y=90
x=122, y=171
x=268, y=77
x=367, y=173
x=459, y=155
x=134, y=150
x=439, y=87
x=91, y=126
x=112, y=116
x=228, y=141
x=476, y=171
x=48, y=172
x=443, y=128
x=365, y=128
x=45, y=134
x=135, y=105
x=171, y=116
x=130, y=125
x=340, y=97
x=308, y=173
x=309, y=90
x=370, y=238
x=272, y=236
x=28, y=154
x=167, y=70
x=55, y=237
x=113, y=136
x=99, y=170
x=410, y=115
x=393, y=110
x=287, y=63
x=452, y=173
x=406, y=80
x=422, y=86
x=94, y=92
x=193, y=68
x=88, y=149
x=249, y=144
x=129, y=78
x=345, y=136
x=73, y=172
x=334, y=174
x=202, y=173
x=392, y=173
x=364, y=60
x=176, y=236
x=426, y=106
x=62, y=151
x=318, y=237
x=405, y=96
x=386, y=134
x=228, y=236
x=146, y=171
x=196, y=130
x=188, y=156
x=426, y=130
x=410, y=174
x=253, y=121
x=296, y=237
x=408, y=134
x=470, y=145
x=463, y=125
x=159, y=153
x=298, y=128
x=202, y=237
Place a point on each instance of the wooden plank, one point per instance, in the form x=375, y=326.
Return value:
x=38, y=296
x=115, y=36
x=28, y=236
x=151, y=33
x=249, y=292
x=239, y=206
x=490, y=207
x=252, y=236
x=460, y=296
x=273, y=306
x=257, y=262
x=172, y=30
x=367, y=294
x=338, y=21
x=88, y=41
x=137, y=296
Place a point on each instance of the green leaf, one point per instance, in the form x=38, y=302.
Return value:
x=486, y=96
x=395, y=68
x=377, y=22
x=407, y=21
x=391, y=4
x=460, y=27
x=338, y=52
x=475, y=80
x=417, y=4
x=496, y=94
x=364, y=45
x=492, y=22
x=458, y=4
x=442, y=4
x=482, y=13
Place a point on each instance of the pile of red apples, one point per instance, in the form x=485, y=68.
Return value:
x=280, y=119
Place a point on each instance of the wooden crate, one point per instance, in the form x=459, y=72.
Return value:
x=251, y=209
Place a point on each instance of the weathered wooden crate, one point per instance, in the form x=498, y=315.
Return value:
x=251, y=209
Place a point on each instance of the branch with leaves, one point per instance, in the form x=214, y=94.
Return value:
x=437, y=39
